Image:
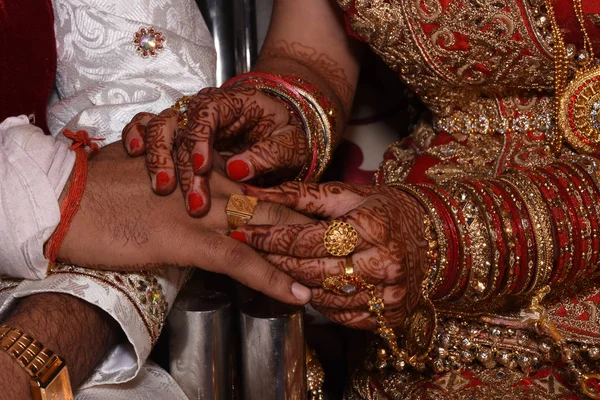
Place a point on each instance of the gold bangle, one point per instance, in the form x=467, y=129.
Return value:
x=325, y=138
x=438, y=248
x=479, y=283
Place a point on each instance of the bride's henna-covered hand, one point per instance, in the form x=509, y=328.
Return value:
x=390, y=254
x=258, y=129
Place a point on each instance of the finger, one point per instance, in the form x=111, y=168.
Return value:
x=285, y=149
x=304, y=240
x=372, y=265
x=224, y=255
x=160, y=137
x=134, y=134
x=328, y=200
x=364, y=320
x=393, y=296
x=195, y=188
x=270, y=213
x=276, y=214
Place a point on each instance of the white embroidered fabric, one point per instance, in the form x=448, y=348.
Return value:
x=152, y=382
x=102, y=82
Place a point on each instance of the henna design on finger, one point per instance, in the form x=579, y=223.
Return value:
x=390, y=223
x=240, y=115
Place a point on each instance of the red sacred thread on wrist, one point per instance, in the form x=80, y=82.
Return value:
x=70, y=204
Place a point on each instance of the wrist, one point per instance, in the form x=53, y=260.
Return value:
x=14, y=380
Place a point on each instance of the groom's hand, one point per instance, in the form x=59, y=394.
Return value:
x=122, y=225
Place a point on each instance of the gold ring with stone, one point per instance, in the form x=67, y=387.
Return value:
x=340, y=238
x=182, y=106
x=346, y=284
x=239, y=210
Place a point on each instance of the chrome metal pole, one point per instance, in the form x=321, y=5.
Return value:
x=200, y=344
x=273, y=351
x=220, y=18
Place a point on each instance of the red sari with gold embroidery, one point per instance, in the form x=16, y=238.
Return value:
x=485, y=69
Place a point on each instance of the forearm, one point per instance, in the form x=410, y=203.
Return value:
x=323, y=55
x=78, y=331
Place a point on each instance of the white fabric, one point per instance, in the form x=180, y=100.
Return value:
x=33, y=170
x=152, y=382
x=101, y=84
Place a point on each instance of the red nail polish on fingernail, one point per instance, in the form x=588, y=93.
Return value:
x=239, y=236
x=134, y=144
x=195, y=202
x=238, y=170
x=198, y=161
x=162, y=179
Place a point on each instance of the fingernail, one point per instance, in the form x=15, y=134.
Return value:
x=195, y=202
x=198, y=161
x=134, y=144
x=239, y=236
x=162, y=179
x=238, y=170
x=301, y=292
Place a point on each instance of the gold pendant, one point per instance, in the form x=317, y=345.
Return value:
x=420, y=331
x=579, y=112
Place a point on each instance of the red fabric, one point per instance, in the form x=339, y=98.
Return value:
x=27, y=58
x=565, y=16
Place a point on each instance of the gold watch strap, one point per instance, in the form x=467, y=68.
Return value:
x=239, y=210
x=39, y=361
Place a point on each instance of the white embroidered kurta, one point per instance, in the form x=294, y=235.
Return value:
x=102, y=82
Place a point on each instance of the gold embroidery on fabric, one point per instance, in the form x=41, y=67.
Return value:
x=595, y=18
x=142, y=289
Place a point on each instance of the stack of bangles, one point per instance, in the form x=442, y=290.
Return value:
x=514, y=236
x=309, y=106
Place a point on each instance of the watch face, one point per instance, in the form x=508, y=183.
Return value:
x=59, y=388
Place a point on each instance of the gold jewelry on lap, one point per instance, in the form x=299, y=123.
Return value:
x=239, y=210
x=340, y=238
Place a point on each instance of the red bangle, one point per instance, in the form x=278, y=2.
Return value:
x=499, y=239
x=527, y=238
x=593, y=193
x=512, y=216
x=70, y=204
x=588, y=219
x=464, y=262
x=559, y=276
x=319, y=96
x=561, y=223
x=452, y=239
x=577, y=206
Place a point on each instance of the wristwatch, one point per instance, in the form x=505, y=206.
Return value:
x=48, y=372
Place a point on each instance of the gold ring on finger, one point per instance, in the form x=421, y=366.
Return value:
x=239, y=210
x=346, y=284
x=182, y=106
x=340, y=238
